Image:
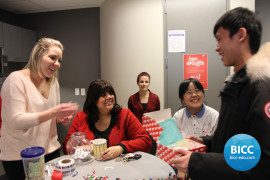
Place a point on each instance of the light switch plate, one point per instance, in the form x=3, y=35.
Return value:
x=77, y=91
x=83, y=91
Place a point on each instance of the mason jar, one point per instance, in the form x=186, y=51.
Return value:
x=79, y=147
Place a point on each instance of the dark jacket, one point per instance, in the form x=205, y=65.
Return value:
x=134, y=104
x=243, y=110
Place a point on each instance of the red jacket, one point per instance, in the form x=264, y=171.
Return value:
x=127, y=130
x=134, y=104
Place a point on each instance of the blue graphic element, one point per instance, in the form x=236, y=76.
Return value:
x=170, y=133
x=242, y=152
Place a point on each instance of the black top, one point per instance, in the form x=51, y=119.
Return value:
x=144, y=106
x=242, y=110
x=103, y=134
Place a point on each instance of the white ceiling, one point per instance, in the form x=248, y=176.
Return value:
x=34, y=6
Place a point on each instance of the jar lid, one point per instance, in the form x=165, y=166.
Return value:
x=32, y=152
x=78, y=134
x=99, y=141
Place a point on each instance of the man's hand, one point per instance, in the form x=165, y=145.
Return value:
x=181, y=162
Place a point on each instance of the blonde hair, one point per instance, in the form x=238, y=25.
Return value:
x=39, y=49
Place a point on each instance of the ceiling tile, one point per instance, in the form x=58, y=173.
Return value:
x=19, y=7
x=68, y=3
x=30, y=6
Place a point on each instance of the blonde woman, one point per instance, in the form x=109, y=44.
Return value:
x=31, y=107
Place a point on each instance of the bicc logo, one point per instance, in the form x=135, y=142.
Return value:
x=242, y=152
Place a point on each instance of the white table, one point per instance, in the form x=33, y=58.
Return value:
x=148, y=166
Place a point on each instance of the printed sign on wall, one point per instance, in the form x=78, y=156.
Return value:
x=176, y=41
x=196, y=66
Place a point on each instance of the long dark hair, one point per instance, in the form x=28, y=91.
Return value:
x=98, y=88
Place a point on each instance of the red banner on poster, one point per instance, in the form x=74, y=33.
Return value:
x=196, y=66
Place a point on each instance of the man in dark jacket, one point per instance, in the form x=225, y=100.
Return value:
x=245, y=100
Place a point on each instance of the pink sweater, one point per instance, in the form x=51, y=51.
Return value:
x=21, y=105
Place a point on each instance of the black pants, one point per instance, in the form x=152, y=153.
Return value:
x=14, y=169
x=154, y=146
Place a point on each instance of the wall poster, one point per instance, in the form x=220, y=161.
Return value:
x=196, y=66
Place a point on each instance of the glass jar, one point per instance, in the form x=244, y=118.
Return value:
x=79, y=147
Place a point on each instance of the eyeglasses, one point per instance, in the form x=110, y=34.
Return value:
x=196, y=91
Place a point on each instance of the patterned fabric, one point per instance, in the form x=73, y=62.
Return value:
x=163, y=152
x=201, y=124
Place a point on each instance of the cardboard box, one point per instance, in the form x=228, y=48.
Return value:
x=191, y=145
x=166, y=153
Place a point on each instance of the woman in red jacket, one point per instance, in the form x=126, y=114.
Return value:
x=143, y=101
x=102, y=117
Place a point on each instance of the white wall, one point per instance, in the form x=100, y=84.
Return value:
x=262, y=9
x=132, y=42
x=250, y=4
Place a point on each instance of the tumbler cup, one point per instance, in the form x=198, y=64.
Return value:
x=33, y=163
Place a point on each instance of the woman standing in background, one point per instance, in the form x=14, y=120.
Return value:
x=144, y=101
x=31, y=107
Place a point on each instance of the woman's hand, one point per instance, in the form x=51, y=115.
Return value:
x=65, y=112
x=111, y=153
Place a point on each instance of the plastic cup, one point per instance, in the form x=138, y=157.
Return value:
x=33, y=163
